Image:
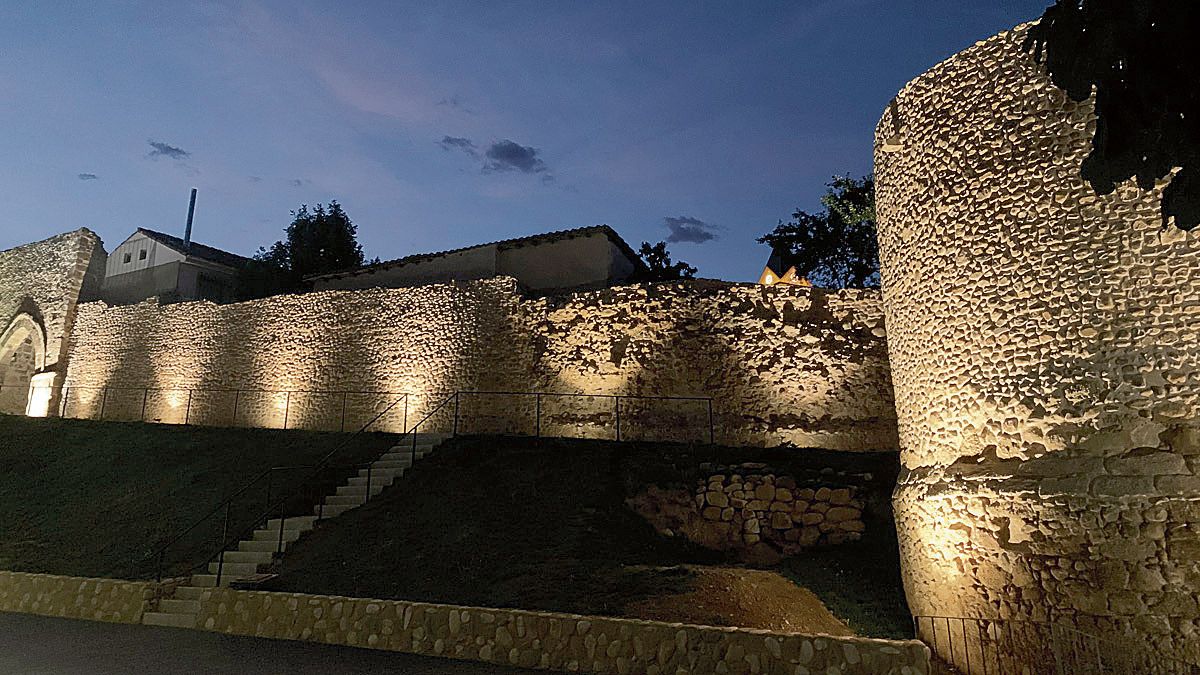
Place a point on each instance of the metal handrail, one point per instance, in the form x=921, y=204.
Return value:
x=228, y=501
x=325, y=463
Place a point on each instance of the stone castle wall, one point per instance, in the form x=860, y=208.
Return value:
x=46, y=279
x=1045, y=359
x=782, y=364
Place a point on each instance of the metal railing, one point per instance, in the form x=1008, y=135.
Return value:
x=238, y=407
x=310, y=484
x=980, y=646
x=312, y=488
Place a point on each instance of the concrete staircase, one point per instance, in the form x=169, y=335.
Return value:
x=261, y=548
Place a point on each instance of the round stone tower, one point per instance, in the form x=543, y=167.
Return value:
x=1045, y=352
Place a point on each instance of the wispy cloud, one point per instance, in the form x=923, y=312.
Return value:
x=509, y=156
x=299, y=182
x=88, y=176
x=459, y=143
x=160, y=149
x=690, y=230
x=501, y=156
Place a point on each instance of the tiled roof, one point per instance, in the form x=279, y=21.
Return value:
x=196, y=250
x=533, y=240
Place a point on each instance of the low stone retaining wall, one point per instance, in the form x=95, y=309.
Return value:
x=548, y=640
x=758, y=511
x=111, y=600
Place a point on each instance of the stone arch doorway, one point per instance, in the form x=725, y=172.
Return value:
x=22, y=355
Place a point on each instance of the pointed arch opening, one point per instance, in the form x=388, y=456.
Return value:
x=22, y=355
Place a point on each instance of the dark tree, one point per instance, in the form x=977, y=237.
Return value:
x=1140, y=59
x=835, y=248
x=659, y=266
x=318, y=241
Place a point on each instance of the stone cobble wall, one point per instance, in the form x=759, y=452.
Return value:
x=45, y=279
x=111, y=600
x=1045, y=360
x=561, y=642
x=782, y=364
x=750, y=509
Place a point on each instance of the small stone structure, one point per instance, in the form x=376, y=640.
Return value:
x=1045, y=358
x=750, y=509
x=782, y=364
x=41, y=285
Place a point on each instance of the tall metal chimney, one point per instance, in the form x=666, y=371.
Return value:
x=187, y=234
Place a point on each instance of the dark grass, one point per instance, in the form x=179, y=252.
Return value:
x=507, y=523
x=90, y=498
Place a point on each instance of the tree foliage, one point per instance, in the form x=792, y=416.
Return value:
x=659, y=266
x=1139, y=58
x=835, y=248
x=318, y=241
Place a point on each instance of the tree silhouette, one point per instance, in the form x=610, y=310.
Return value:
x=659, y=266
x=835, y=248
x=318, y=241
x=1140, y=59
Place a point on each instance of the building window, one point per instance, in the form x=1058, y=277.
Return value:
x=127, y=259
x=142, y=254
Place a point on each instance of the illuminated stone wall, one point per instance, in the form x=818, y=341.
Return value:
x=1045, y=358
x=551, y=641
x=782, y=364
x=44, y=282
x=111, y=600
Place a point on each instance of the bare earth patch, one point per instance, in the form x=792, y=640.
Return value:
x=734, y=596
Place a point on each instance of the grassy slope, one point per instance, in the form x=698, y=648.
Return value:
x=501, y=523
x=94, y=498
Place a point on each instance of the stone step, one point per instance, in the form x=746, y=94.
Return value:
x=264, y=545
x=333, y=510
x=205, y=581
x=360, y=490
x=390, y=464
x=379, y=473
x=291, y=523
x=178, y=606
x=233, y=570
x=189, y=592
x=273, y=535
x=353, y=500
x=167, y=619
x=239, y=556
x=376, y=481
x=396, y=457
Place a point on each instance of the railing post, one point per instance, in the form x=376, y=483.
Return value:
x=145, y=395
x=345, y=395
x=224, y=535
x=237, y=395
x=159, y=568
x=711, y=432
x=270, y=476
x=287, y=408
x=66, y=393
x=187, y=414
x=538, y=414
x=617, y=400
x=405, y=426
x=456, y=397
x=103, y=403
x=282, y=518
x=368, y=498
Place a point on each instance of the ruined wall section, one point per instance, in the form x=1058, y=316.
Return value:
x=45, y=280
x=1045, y=358
x=782, y=364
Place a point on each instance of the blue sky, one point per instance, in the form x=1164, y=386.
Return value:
x=439, y=125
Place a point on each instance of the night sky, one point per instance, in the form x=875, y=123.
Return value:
x=701, y=123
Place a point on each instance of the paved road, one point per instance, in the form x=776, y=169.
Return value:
x=37, y=645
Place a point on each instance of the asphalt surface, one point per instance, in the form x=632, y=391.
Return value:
x=37, y=645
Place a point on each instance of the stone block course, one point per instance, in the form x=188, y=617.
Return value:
x=111, y=600
x=563, y=642
x=782, y=364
